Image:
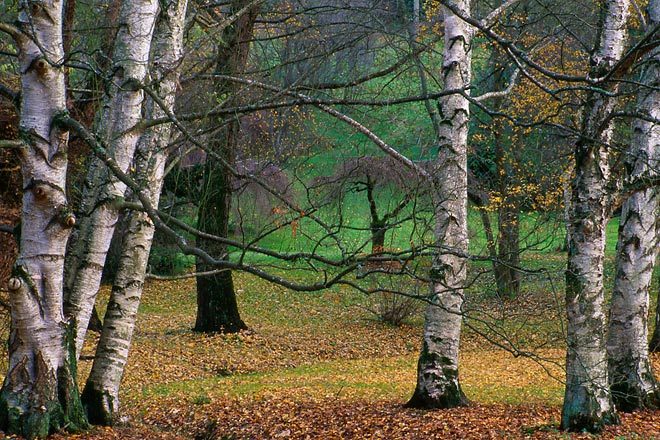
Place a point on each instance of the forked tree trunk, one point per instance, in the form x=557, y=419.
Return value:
x=438, y=384
x=99, y=211
x=587, y=400
x=217, y=309
x=633, y=383
x=39, y=394
x=101, y=393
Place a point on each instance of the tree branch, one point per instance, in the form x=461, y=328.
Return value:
x=500, y=93
x=342, y=117
x=495, y=14
x=7, y=229
x=11, y=144
x=8, y=93
x=15, y=33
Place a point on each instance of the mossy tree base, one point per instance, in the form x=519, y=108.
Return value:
x=452, y=397
x=52, y=404
x=592, y=423
x=587, y=408
x=637, y=391
x=438, y=386
x=99, y=406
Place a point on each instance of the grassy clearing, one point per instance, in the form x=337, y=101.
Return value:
x=292, y=335
x=322, y=345
x=321, y=365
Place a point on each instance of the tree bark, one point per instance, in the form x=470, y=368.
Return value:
x=101, y=393
x=99, y=211
x=217, y=309
x=633, y=383
x=507, y=259
x=507, y=275
x=587, y=400
x=39, y=394
x=438, y=384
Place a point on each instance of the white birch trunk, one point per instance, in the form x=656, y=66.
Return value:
x=587, y=400
x=101, y=394
x=39, y=394
x=633, y=383
x=438, y=383
x=120, y=113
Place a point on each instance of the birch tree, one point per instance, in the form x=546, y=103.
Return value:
x=438, y=383
x=101, y=393
x=587, y=400
x=39, y=394
x=633, y=383
x=103, y=192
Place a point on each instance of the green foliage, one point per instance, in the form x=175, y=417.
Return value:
x=166, y=260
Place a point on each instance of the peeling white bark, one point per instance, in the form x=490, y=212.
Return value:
x=39, y=393
x=634, y=385
x=587, y=400
x=119, y=116
x=101, y=393
x=437, y=371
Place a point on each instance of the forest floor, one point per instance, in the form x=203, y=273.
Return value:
x=319, y=366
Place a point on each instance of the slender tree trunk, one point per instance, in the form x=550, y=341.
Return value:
x=633, y=383
x=587, y=400
x=438, y=384
x=102, y=192
x=508, y=218
x=508, y=252
x=101, y=393
x=507, y=261
x=217, y=310
x=39, y=394
x=377, y=225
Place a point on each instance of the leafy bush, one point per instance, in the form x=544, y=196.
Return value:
x=167, y=261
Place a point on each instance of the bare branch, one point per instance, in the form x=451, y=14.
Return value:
x=342, y=117
x=500, y=93
x=8, y=93
x=495, y=14
x=7, y=229
x=11, y=144
x=11, y=30
x=640, y=14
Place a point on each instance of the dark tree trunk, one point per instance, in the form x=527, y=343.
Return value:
x=217, y=309
x=508, y=237
x=508, y=254
x=377, y=237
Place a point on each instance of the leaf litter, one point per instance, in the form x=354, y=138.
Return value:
x=320, y=367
